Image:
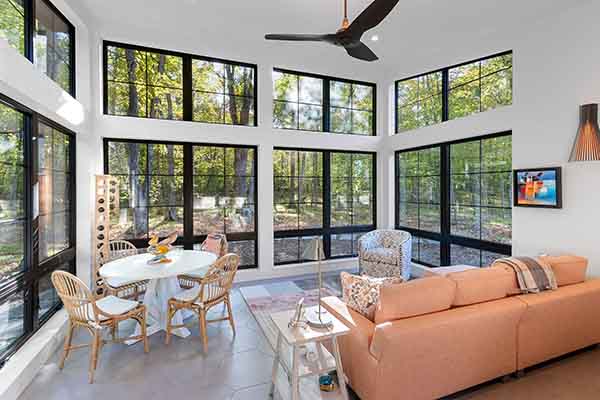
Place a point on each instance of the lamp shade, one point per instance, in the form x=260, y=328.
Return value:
x=314, y=250
x=587, y=142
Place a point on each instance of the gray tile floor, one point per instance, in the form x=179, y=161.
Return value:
x=232, y=369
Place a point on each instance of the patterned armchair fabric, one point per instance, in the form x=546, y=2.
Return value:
x=385, y=253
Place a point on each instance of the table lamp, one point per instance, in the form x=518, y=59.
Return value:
x=317, y=317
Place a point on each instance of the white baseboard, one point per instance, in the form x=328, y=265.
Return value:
x=23, y=366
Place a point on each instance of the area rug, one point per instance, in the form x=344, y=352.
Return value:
x=281, y=295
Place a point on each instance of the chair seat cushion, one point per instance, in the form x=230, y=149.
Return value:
x=114, y=305
x=381, y=255
x=198, y=274
x=189, y=295
x=118, y=282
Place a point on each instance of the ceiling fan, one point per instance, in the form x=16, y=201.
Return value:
x=349, y=35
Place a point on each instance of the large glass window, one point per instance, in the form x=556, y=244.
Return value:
x=321, y=194
x=223, y=93
x=158, y=178
x=144, y=84
x=50, y=47
x=12, y=192
x=52, y=43
x=152, y=83
x=32, y=201
x=419, y=101
x=298, y=187
x=454, y=92
x=12, y=23
x=479, y=86
x=323, y=104
x=54, y=179
x=455, y=199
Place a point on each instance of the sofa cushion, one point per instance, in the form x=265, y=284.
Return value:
x=568, y=269
x=559, y=321
x=418, y=297
x=361, y=293
x=381, y=254
x=481, y=285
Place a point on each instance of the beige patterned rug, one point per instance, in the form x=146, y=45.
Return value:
x=270, y=297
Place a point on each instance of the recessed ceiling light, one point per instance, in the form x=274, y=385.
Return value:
x=374, y=38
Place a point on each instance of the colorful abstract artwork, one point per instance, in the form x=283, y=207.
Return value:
x=540, y=187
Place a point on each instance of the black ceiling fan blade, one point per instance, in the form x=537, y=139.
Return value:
x=372, y=16
x=301, y=37
x=362, y=52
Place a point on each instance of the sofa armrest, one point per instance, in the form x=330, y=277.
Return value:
x=361, y=327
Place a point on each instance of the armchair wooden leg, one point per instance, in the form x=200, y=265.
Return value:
x=67, y=346
x=144, y=330
x=203, y=333
x=169, y=318
x=94, y=354
x=230, y=313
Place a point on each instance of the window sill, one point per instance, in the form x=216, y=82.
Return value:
x=23, y=366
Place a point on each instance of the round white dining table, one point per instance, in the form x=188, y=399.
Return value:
x=163, y=283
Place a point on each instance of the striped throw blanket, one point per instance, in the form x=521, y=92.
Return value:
x=533, y=274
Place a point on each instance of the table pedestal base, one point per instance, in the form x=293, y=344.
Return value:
x=156, y=299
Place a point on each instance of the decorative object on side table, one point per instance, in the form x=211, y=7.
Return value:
x=301, y=353
x=298, y=320
x=317, y=317
x=538, y=187
x=160, y=249
x=587, y=142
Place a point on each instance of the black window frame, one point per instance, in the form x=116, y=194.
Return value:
x=446, y=89
x=29, y=278
x=326, y=104
x=327, y=231
x=187, y=80
x=29, y=34
x=189, y=239
x=445, y=237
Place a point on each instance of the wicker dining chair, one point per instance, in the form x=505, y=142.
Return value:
x=120, y=287
x=214, y=243
x=214, y=289
x=95, y=315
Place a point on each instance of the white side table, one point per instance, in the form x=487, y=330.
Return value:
x=312, y=340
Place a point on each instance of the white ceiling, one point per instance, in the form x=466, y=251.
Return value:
x=413, y=26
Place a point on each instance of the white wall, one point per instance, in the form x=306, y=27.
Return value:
x=556, y=69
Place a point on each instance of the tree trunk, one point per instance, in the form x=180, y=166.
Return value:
x=172, y=211
x=132, y=108
x=315, y=182
x=292, y=177
x=137, y=193
x=231, y=91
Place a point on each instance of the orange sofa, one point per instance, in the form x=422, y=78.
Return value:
x=435, y=336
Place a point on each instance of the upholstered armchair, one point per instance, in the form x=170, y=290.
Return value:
x=385, y=253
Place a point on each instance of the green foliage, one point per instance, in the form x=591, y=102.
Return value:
x=12, y=23
x=152, y=186
x=480, y=189
x=473, y=88
x=298, y=185
x=150, y=84
x=298, y=104
x=419, y=101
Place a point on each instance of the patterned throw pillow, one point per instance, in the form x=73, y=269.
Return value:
x=361, y=293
